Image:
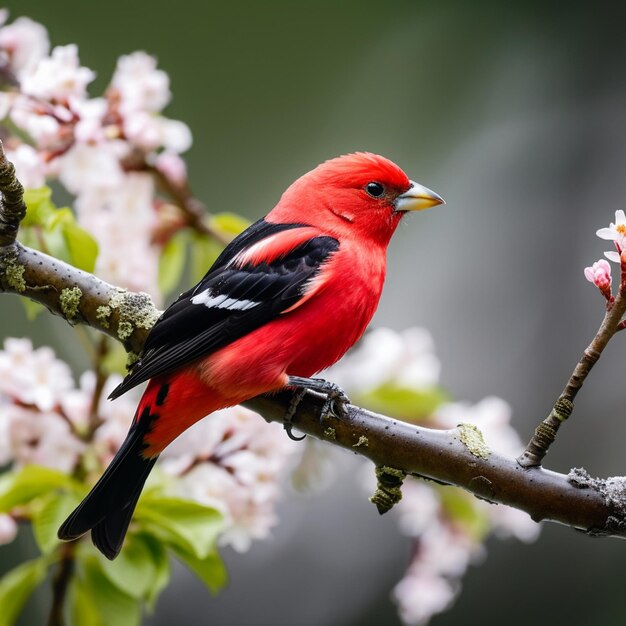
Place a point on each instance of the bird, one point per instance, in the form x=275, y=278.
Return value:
x=283, y=301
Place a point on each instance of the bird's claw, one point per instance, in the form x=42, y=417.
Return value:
x=335, y=405
x=291, y=411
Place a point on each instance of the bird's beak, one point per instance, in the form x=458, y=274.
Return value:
x=418, y=198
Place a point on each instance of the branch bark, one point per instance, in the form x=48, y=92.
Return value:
x=454, y=457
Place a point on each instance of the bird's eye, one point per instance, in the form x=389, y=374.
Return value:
x=375, y=189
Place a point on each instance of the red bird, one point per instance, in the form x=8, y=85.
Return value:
x=284, y=300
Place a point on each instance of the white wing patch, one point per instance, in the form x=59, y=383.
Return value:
x=222, y=301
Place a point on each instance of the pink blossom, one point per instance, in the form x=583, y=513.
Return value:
x=25, y=43
x=172, y=167
x=8, y=529
x=59, y=76
x=600, y=275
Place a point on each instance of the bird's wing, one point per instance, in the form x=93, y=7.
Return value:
x=266, y=271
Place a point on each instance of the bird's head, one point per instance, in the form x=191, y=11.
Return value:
x=361, y=193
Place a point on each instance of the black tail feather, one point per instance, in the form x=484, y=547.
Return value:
x=109, y=506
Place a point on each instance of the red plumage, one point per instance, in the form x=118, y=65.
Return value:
x=288, y=297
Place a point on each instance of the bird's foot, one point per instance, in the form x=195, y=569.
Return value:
x=291, y=411
x=336, y=398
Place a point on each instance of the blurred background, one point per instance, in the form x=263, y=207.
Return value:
x=516, y=114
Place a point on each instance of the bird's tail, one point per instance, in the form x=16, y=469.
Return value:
x=109, y=506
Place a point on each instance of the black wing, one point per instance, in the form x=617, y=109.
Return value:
x=228, y=303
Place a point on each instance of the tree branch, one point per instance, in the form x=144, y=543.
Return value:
x=454, y=457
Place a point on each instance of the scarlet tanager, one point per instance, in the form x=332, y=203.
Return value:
x=284, y=300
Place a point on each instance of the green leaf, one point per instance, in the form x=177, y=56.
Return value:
x=32, y=308
x=210, y=570
x=32, y=481
x=55, y=243
x=133, y=571
x=59, y=218
x=229, y=224
x=172, y=261
x=403, y=402
x=39, y=206
x=162, y=569
x=204, y=251
x=83, y=611
x=116, y=359
x=16, y=587
x=112, y=605
x=183, y=523
x=49, y=516
x=465, y=510
x=82, y=247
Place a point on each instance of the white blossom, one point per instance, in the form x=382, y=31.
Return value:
x=33, y=377
x=35, y=120
x=232, y=461
x=420, y=595
x=42, y=438
x=140, y=85
x=8, y=529
x=491, y=415
x=90, y=127
x=384, y=355
x=25, y=43
x=59, y=76
x=316, y=467
x=29, y=166
x=90, y=169
x=616, y=232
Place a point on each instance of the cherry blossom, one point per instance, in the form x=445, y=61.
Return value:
x=139, y=85
x=24, y=43
x=8, y=529
x=600, y=275
x=33, y=377
x=58, y=77
x=29, y=166
x=615, y=232
x=384, y=355
x=233, y=462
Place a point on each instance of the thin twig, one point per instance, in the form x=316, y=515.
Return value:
x=545, y=433
x=101, y=378
x=60, y=584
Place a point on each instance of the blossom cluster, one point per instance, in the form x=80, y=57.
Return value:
x=600, y=272
x=107, y=151
x=444, y=543
x=232, y=462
